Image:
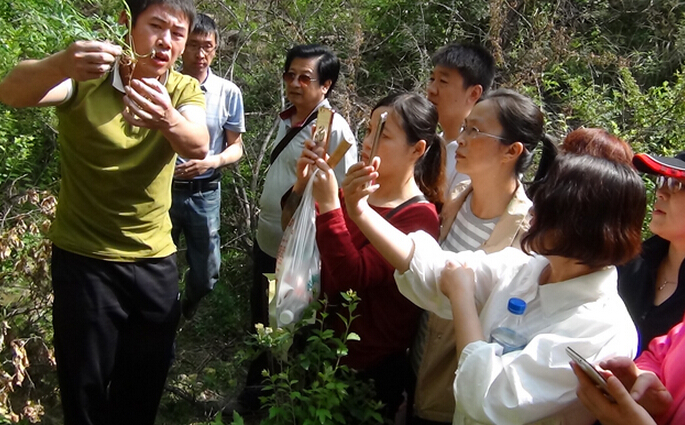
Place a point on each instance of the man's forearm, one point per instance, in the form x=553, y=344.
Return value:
x=45, y=82
x=231, y=154
x=187, y=138
x=31, y=80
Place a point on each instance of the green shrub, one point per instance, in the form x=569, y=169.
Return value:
x=310, y=385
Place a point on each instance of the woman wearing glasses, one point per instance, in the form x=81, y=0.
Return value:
x=569, y=287
x=653, y=285
x=487, y=212
x=651, y=389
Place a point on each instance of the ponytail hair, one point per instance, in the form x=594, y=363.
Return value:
x=429, y=171
x=521, y=120
x=419, y=120
x=547, y=157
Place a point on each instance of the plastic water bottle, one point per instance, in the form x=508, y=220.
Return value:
x=293, y=299
x=509, y=333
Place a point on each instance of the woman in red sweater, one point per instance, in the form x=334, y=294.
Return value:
x=410, y=168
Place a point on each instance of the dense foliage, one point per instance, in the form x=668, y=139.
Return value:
x=616, y=64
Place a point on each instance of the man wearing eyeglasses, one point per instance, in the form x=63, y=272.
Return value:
x=310, y=74
x=196, y=187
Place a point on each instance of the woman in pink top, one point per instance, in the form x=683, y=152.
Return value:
x=657, y=378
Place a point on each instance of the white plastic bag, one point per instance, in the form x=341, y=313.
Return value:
x=298, y=267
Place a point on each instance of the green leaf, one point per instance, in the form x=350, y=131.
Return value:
x=237, y=419
x=353, y=336
x=322, y=415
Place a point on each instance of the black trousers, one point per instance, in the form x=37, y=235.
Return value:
x=390, y=379
x=259, y=308
x=259, y=295
x=114, y=326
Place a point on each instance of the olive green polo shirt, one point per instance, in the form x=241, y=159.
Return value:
x=115, y=191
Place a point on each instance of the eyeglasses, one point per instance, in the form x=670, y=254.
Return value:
x=304, y=79
x=469, y=132
x=670, y=183
x=207, y=48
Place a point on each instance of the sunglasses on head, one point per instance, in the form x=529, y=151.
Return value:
x=304, y=79
x=670, y=183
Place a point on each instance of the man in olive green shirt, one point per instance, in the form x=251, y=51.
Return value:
x=114, y=274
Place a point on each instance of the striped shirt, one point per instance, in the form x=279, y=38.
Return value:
x=468, y=233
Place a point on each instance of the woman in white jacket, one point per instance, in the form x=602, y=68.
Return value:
x=588, y=216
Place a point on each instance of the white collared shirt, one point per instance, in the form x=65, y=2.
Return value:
x=118, y=83
x=536, y=384
x=225, y=111
x=281, y=175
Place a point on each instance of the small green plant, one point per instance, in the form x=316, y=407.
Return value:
x=311, y=386
x=130, y=56
x=121, y=35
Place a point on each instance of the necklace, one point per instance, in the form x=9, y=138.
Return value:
x=666, y=282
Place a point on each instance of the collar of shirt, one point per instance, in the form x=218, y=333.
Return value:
x=287, y=114
x=559, y=296
x=118, y=84
x=204, y=82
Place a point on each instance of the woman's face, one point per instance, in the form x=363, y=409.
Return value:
x=668, y=217
x=393, y=150
x=479, y=153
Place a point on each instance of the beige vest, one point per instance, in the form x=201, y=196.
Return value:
x=434, y=399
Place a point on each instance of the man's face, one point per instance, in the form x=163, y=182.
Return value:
x=302, y=86
x=163, y=30
x=199, y=53
x=447, y=92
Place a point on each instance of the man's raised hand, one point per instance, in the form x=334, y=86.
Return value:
x=148, y=105
x=88, y=60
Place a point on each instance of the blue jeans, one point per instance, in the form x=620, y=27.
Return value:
x=197, y=216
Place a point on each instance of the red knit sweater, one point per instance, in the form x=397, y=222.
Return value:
x=387, y=321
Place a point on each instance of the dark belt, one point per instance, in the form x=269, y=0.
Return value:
x=196, y=185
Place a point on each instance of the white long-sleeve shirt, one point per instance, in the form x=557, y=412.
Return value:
x=536, y=384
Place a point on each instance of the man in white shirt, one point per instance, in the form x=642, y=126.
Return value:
x=461, y=74
x=196, y=188
x=310, y=74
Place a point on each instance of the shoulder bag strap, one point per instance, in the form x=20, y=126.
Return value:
x=400, y=207
x=289, y=136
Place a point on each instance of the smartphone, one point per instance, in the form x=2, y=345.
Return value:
x=377, y=136
x=590, y=371
x=324, y=119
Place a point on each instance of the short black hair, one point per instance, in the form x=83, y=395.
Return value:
x=187, y=7
x=204, y=24
x=327, y=68
x=475, y=64
x=590, y=209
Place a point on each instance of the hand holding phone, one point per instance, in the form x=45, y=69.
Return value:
x=590, y=371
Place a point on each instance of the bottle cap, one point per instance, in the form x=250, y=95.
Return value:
x=286, y=317
x=516, y=306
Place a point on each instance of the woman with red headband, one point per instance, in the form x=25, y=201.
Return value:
x=651, y=389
